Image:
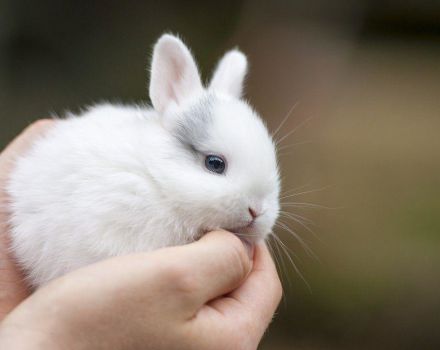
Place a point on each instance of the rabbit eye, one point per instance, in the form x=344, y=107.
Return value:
x=215, y=164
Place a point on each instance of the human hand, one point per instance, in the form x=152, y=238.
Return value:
x=168, y=286
x=206, y=295
x=12, y=286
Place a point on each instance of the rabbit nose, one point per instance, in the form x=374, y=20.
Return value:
x=253, y=213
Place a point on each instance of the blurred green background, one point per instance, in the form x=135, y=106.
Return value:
x=366, y=75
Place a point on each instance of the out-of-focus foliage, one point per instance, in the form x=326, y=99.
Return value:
x=366, y=145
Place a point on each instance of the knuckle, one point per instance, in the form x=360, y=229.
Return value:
x=180, y=277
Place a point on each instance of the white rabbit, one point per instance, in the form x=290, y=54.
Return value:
x=122, y=179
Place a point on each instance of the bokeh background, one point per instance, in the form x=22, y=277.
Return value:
x=365, y=76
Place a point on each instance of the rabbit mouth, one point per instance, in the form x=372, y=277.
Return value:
x=236, y=229
x=248, y=229
x=247, y=232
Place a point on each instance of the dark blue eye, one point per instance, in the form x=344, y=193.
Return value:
x=215, y=164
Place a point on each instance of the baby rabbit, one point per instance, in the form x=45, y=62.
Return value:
x=121, y=179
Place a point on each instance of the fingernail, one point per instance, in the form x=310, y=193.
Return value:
x=249, y=248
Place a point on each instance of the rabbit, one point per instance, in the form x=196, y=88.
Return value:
x=120, y=179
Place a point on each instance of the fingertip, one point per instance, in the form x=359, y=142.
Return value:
x=223, y=234
x=233, y=248
x=265, y=263
x=250, y=248
x=27, y=136
x=262, y=256
x=40, y=124
x=262, y=290
x=36, y=128
x=221, y=260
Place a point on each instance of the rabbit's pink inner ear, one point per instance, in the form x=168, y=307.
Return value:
x=174, y=74
x=229, y=75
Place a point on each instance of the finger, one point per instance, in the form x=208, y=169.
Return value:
x=12, y=286
x=213, y=266
x=185, y=277
x=22, y=143
x=245, y=313
x=259, y=295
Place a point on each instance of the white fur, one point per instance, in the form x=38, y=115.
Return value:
x=230, y=73
x=174, y=74
x=116, y=180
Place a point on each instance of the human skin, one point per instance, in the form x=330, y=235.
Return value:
x=216, y=293
x=12, y=287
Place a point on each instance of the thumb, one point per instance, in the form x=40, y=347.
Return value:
x=218, y=263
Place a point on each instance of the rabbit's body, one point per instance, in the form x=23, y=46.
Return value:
x=124, y=179
x=90, y=192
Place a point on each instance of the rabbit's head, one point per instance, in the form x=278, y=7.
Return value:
x=221, y=168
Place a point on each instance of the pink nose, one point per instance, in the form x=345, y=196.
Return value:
x=253, y=213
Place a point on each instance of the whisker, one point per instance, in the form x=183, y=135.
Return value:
x=291, y=132
x=295, y=189
x=282, y=148
x=286, y=228
x=305, y=192
x=285, y=119
x=296, y=216
x=281, y=264
x=279, y=241
x=286, y=251
x=306, y=205
x=298, y=238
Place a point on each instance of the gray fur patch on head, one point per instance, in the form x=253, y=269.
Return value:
x=193, y=125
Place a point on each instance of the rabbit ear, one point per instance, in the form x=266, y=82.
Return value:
x=230, y=73
x=174, y=74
